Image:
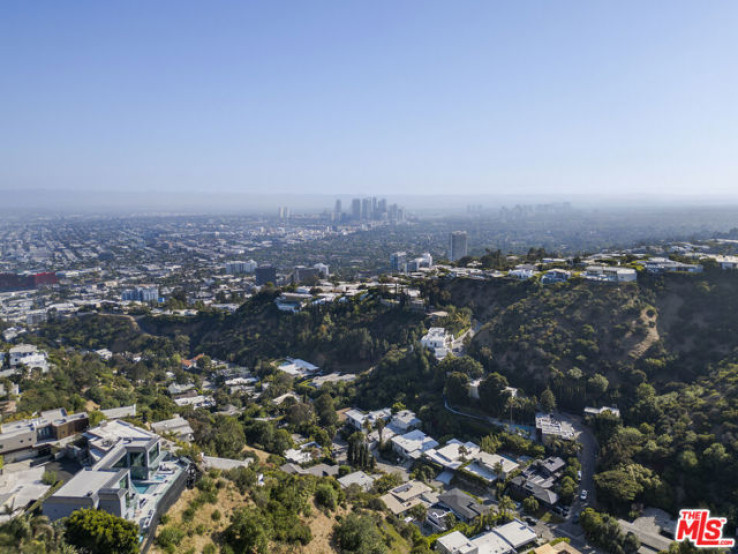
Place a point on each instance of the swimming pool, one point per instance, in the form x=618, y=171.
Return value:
x=143, y=488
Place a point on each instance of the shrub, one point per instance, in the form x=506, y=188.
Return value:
x=326, y=496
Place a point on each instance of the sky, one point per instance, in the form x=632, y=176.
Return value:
x=388, y=97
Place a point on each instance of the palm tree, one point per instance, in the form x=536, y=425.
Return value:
x=505, y=507
x=498, y=469
x=380, y=428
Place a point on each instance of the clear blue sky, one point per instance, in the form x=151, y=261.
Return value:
x=394, y=96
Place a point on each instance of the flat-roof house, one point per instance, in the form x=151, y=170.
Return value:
x=29, y=438
x=297, y=367
x=597, y=411
x=486, y=466
x=439, y=341
x=453, y=454
x=404, y=421
x=555, y=276
x=516, y=533
x=357, y=478
x=356, y=418
x=131, y=475
x=550, y=428
x=504, y=539
x=177, y=426
x=455, y=543
x=412, y=445
x=661, y=265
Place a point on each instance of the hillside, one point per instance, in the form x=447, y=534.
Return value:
x=346, y=336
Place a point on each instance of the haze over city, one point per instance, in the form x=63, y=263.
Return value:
x=182, y=100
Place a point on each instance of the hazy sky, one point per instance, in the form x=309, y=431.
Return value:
x=395, y=96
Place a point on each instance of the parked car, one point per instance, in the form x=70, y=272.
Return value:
x=579, y=474
x=583, y=495
x=531, y=521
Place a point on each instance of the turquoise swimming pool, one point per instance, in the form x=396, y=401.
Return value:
x=143, y=488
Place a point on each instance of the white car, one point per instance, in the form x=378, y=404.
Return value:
x=583, y=495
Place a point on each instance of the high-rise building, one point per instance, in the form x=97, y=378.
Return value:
x=457, y=246
x=398, y=261
x=141, y=294
x=382, y=206
x=234, y=268
x=265, y=274
x=356, y=208
x=366, y=209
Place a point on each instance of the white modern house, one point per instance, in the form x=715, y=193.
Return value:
x=297, y=367
x=412, y=445
x=439, y=341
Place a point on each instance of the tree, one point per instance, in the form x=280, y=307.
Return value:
x=506, y=507
x=300, y=413
x=597, y=385
x=99, y=532
x=492, y=394
x=466, y=365
x=326, y=496
x=248, y=532
x=326, y=410
x=548, y=401
x=229, y=438
x=380, y=428
x=457, y=388
x=530, y=505
x=358, y=534
x=489, y=444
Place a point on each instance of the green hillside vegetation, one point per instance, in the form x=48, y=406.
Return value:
x=348, y=335
x=663, y=350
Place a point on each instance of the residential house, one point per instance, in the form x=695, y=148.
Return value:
x=404, y=421
x=610, y=274
x=553, y=276
x=522, y=487
x=589, y=411
x=438, y=341
x=297, y=367
x=453, y=454
x=464, y=507
x=558, y=548
x=319, y=470
x=198, y=401
x=224, y=464
x=120, y=412
x=131, y=475
x=402, y=498
x=33, y=437
x=412, y=445
x=437, y=518
x=304, y=454
x=177, y=426
x=549, y=428
x=357, y=478
x=662, y=265
x=726, y=262
x=28, y=356
x=358, y=419
x=491, y=467
x=504, y=539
